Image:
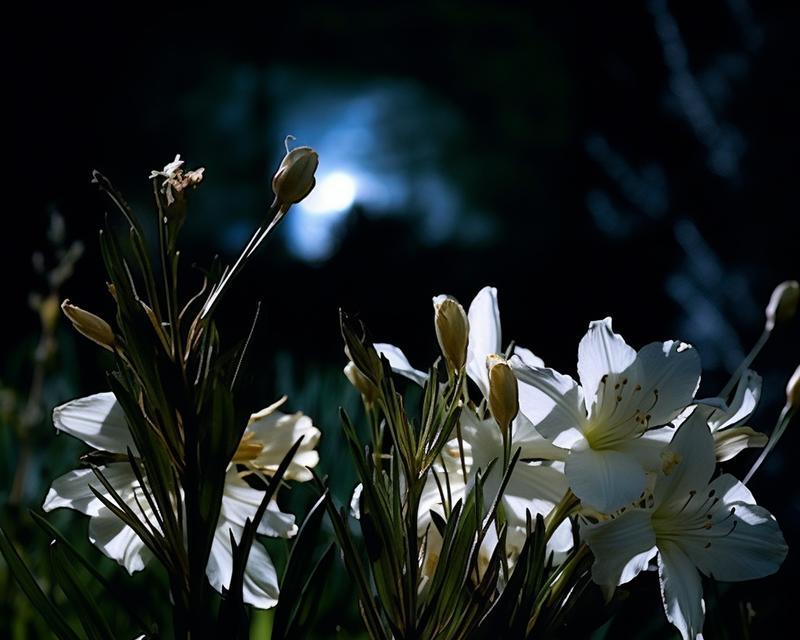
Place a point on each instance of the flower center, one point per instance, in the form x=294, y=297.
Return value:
x=249, y=449
x=620, y=412
x=701, y=518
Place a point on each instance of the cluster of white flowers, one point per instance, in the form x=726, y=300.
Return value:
x=631, y=442
x=100, y=422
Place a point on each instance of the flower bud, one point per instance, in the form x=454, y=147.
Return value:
x=90, y=325
x=782, y=304
x=294, y=179
x=793, y=390
x=452, y=330
x=503, y=392
x=362, y=384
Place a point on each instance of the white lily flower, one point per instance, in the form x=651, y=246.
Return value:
x=693, y=524
x=610, y=422
x=269, y=436
x=99, y=421
x=533, y=486
x=485, y=339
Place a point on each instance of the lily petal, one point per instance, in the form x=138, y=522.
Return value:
x=648, y=447
x=484, y=336
x=744, y=542
x=622, y=547
x=528, y=357
x=606, y=479
x=689, y=463
x=260, y=587
x=681, y=590
x=240, y=503
x=118, y=541
x=534, y=446
x=733, y=440
x=400, y=364
x=98, y=420
x=552, y=402
x=601, y=352
x=533, y=487
x=669, y=373
x=742, y=405
x=277, y=432
x=72, y=490
x=561, y=541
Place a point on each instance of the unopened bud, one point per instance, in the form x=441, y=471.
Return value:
x=793, y=390
x=362, y=384
x=783, y=304
x=90, y=325
x=503, y=392
x=452, y=330
x=294, y=179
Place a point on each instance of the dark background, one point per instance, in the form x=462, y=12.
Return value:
x=628, y=159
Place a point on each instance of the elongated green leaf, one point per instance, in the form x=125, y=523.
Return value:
x=92, y=620
x=121, y=509
x=298, y=567
x=308, y=599
x=28, y=583
x=108, y=588
x=352, y=561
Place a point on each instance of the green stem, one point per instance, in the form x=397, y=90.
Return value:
x=787, y=413
x=275, y=215
x=161, y=223
x=564, y=576
x=560, y=513
x=762, y=340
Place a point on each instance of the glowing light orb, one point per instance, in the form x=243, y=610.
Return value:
x=334, y=193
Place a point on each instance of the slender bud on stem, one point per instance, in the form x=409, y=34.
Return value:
x=452, y=330
x=793, y=391
x=90, y=325
x=503, y=392
x=783, y=304
x=294, y=179
x=362, y=384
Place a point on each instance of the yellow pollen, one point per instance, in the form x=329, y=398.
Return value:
x=249, y=449
x=669, y=459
